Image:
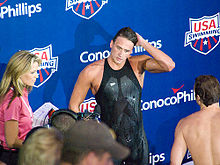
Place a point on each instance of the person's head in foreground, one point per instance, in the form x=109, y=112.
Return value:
x=43, y=147
x=200, y=132
x=62, y=119
x=207, y=90
x=93, y=143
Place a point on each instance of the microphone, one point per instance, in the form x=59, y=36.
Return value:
x=97, y=113
x=86, y=115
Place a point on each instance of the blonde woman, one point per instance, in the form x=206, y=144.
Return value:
x=43, y=147
x=16, y=115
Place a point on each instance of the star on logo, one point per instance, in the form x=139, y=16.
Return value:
x=205, y=42
x=87, y=6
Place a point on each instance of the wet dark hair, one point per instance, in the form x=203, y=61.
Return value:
x=208, y=89
x=127, y=33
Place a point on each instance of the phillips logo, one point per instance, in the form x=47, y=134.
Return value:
x=20, y=9
x=179, y=96
x=204, y=34
x=48, y=66
x=2, y=3
x=85, y=8
x=175, y=90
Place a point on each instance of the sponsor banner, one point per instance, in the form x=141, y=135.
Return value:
x=88, y=105
x=157, y=44
x=204, y=34
x=156, y=158
x=179, y=97
x=48, y=66
x=8, y=10
x=88, y=57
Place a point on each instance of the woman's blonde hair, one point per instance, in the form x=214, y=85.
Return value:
x=19, y=64
x=43, y=147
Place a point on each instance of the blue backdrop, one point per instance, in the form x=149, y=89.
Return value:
x=70, y=34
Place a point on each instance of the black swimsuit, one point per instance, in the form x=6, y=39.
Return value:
x=119, y=97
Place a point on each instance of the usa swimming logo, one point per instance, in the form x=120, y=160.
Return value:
x=85, y=8
x=204, y=34
x=48, y=66
x=88, y=105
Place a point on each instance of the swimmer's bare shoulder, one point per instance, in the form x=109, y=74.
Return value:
x=94, y=68
x=189, y=125
x=93, y=73
x=188, y=120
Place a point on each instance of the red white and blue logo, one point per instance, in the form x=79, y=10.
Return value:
x=48, y=66
x=2, y=3
x=204, y=34
x=85, y=8
x=88, y=105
